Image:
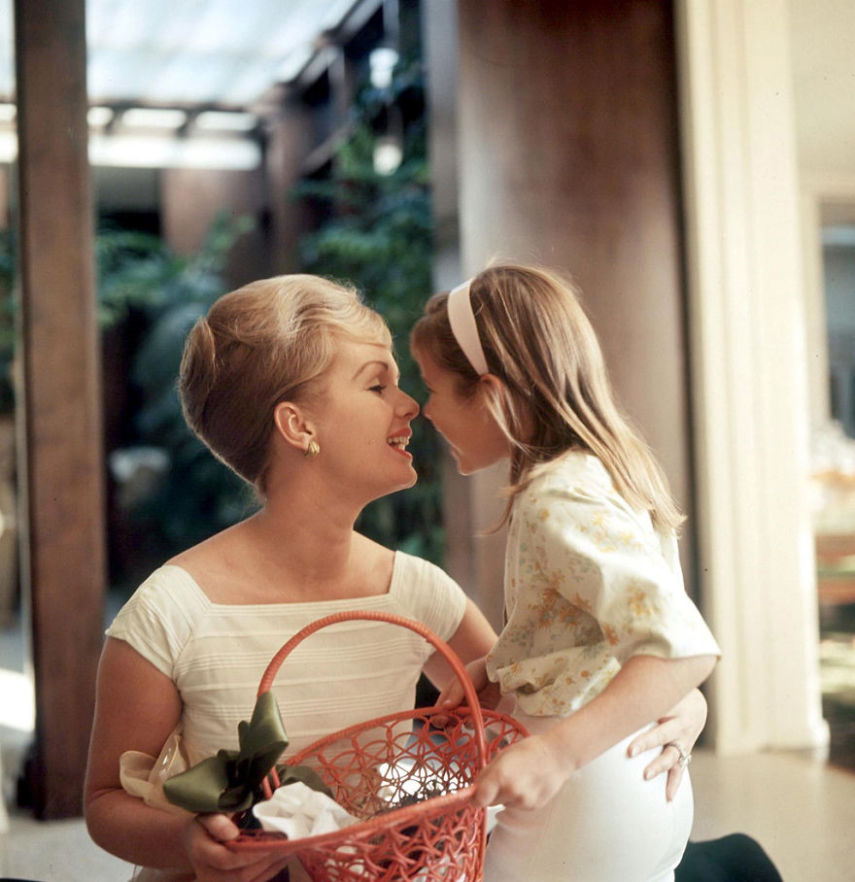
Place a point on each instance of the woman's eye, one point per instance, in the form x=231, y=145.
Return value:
x=377, y=388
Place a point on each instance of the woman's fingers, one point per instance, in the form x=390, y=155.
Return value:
x=666, y=730
x=672, y=784
x=219, y=827
x=451, y=696
x=207, y=846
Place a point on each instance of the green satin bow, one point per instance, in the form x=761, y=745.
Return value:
x=231, y=780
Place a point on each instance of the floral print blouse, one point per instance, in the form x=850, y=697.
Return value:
x=589, y=583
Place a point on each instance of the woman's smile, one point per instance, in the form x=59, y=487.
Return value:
x=399, y=441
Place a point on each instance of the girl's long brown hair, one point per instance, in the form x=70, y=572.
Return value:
x=555, y=393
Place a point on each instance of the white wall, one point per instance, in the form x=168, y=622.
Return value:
x=750, y=378
x=821, y=34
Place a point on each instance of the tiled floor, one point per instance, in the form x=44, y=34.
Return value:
x=801, y=810
x=59, y=851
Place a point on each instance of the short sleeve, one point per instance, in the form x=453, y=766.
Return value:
x=428, y=595
x=157, y=620
x=597, y=555
x=589, y=584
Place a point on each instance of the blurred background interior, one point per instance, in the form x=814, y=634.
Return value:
x=691, y=163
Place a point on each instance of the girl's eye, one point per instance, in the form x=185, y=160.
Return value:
x=378, y=388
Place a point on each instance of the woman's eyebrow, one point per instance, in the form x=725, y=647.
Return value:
x=385, y=365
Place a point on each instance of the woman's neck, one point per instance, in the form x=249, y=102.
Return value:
x=316, y=543
x=289, y=553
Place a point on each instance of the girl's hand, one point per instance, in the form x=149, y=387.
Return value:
x=213, y=862
x=525, y=775
x=682, y=726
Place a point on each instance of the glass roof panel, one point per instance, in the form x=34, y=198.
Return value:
x=224, y=52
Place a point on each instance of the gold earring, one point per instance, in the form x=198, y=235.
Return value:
x=312, y=449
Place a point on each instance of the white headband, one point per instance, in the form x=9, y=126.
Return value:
x=465, y=330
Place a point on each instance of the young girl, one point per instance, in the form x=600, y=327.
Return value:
x=600, y=637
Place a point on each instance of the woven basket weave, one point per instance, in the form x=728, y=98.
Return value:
x=409, y=783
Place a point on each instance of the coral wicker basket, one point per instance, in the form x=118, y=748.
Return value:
x=409, y=784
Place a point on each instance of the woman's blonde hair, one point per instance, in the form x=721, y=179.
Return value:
x=266, y=342
x=555, y=394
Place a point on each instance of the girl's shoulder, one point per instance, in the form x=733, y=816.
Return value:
x=574, y=474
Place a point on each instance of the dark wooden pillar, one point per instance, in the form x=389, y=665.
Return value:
x=62, y=462
x=568, y=156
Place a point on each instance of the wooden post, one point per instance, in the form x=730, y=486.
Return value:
x=62, y=467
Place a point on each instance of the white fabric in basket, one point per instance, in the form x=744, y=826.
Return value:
x=298, y=811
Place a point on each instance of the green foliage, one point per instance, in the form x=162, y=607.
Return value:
x=199, y=495
x=378, y=235
x=138, y=276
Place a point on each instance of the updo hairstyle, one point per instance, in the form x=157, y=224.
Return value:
x=264, y=343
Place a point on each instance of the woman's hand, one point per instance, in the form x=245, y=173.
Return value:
x=212, y=861
x=452, y=695
x=525, y=775
x=681, y=726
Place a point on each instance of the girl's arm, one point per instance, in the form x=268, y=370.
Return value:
x=528, y=774
x=137, y=707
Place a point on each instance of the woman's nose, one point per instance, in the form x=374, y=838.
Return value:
x=409, y=407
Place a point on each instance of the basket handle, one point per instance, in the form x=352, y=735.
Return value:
x=375, y=616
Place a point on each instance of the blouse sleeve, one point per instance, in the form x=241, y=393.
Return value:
x=595, y=585
x=603, y=563
x=157, y=620
x=430, y=596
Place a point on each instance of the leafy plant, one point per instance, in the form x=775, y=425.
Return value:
x=378, y=234
x=140, y=278
x=198, y=495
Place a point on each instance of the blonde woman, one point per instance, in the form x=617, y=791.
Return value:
x=291, y=382
x=600, y=638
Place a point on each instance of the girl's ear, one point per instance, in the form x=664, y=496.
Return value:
x=515, y=413
x=293, y=425
x=492, y=389
x=492, y=384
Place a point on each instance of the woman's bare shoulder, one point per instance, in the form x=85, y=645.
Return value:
x=217, y=565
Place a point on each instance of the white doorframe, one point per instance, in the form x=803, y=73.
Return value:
x=749, y=373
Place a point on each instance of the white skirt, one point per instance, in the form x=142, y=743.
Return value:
x=607, y=824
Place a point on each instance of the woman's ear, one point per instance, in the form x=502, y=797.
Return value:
x=293, y=425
